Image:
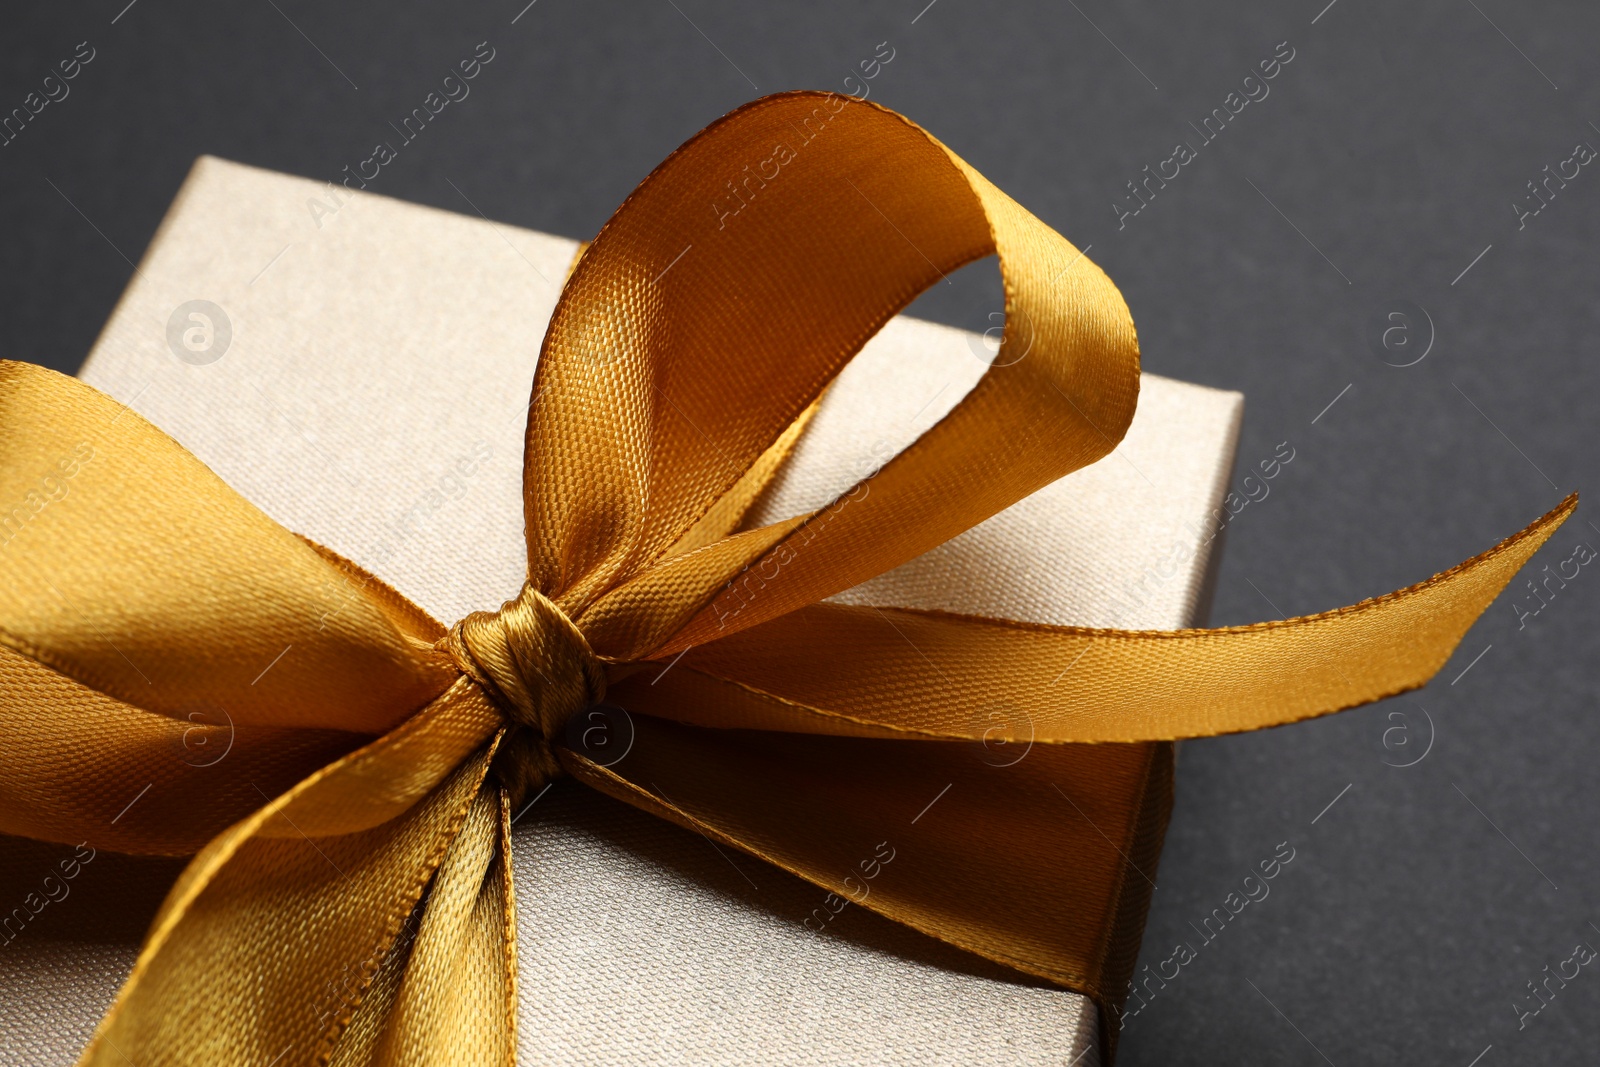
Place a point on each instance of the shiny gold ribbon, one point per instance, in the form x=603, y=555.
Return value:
x=349, y=899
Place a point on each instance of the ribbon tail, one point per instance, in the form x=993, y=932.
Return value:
x=901, y=673
x=446, y=991
x=269, y=942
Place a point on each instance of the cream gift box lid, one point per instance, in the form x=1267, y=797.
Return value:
x=360, y=368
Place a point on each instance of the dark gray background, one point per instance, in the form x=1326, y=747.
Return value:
x=1417, y=906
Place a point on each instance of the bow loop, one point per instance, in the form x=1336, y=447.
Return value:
x=538, y=669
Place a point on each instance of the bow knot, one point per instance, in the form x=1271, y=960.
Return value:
x=538, y=669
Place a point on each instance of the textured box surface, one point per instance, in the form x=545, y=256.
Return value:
x=362, y=376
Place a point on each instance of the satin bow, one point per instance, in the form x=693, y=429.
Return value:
x=349, y=899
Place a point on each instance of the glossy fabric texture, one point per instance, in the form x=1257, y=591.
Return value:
x=349, y=899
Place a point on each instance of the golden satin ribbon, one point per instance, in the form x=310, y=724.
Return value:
x=350, y=896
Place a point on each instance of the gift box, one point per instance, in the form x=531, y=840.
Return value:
x=358, y=368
